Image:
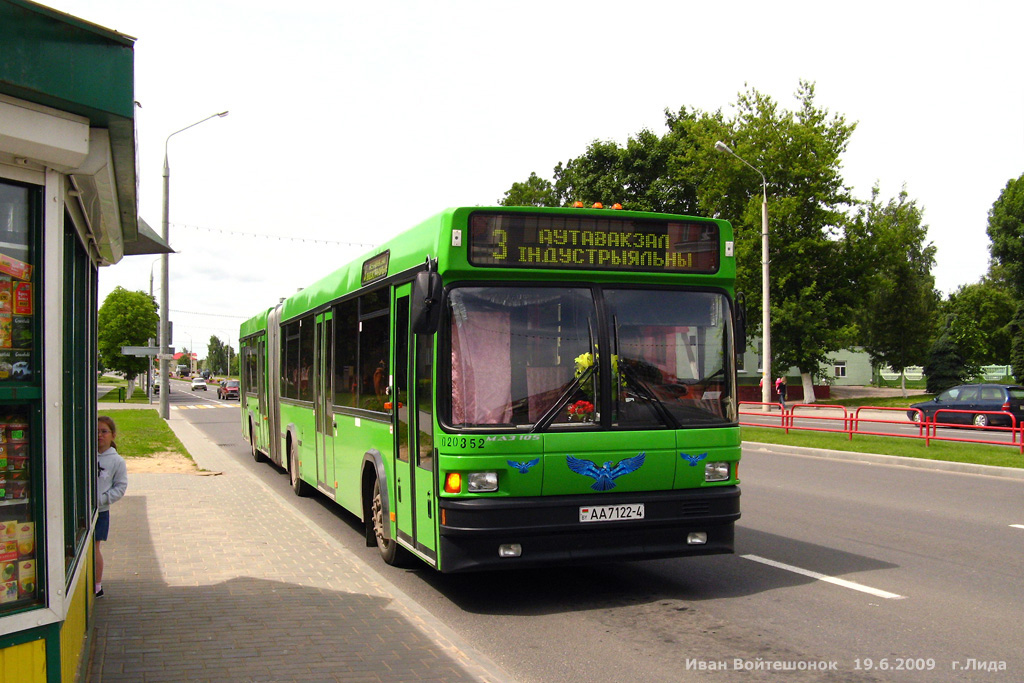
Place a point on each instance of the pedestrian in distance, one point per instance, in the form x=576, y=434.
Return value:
x=111, y=485
x=780, y=389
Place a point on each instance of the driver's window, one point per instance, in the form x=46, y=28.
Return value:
x=948, y=395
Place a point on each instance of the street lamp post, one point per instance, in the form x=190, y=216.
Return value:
x=165, y=411
x=149, y=359
x=766, y=364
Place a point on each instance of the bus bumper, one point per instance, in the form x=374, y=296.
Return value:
x=549, y=531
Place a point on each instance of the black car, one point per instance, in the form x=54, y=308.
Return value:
x=977, y=400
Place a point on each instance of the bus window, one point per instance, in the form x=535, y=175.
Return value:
x=290, y=360
x=374, y=350
x=517, y=350
x=672, y=349
x=346, y=337
x=305, y=375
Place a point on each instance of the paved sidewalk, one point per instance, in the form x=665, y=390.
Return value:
x=216, y=578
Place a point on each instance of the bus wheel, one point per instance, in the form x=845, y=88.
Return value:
x=300, y=487
x=256, y=455
x=389, y=549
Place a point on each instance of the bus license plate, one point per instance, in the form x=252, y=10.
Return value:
x=611, y=513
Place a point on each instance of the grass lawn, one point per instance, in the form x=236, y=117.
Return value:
x=112, y=396
x=142, y=433
x=879, y=401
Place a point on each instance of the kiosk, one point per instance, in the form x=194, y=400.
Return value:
x=67, y=207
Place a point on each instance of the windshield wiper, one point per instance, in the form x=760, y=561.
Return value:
x=547, y=418
x=645, y=392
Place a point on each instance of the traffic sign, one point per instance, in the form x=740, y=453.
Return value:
x=140, y=350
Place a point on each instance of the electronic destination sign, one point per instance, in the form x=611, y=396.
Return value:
x=593, y=243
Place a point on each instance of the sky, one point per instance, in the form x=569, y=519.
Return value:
x=352, y=121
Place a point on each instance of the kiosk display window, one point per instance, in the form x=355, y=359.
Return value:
x=19, y=399
x=16, y=285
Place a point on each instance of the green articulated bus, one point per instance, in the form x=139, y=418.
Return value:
x=505, y=387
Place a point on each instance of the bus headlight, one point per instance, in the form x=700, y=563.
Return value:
x=716, y=471
x=482, y=482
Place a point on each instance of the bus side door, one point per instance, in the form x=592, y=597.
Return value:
x=412, y=414
x=323, y=400
x=262, y=434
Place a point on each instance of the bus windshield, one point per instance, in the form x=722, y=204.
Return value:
x=542, y=358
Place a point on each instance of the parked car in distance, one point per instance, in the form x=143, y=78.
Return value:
x=198, y=383
x=977, y=400
x=228, y=389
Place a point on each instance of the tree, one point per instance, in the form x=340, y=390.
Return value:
x=217, y=356
x=1017, y=345
x=894, y=282
x=981, y=316
x=535, y=191
x=1006, y=230
x=221, y=358
x=126, y=319
x=650, y=173
x=799, y=153
x=946, y=367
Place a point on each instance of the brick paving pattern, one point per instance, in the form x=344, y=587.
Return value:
x=216, y=578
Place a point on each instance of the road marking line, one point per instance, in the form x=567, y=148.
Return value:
x=877, y=592
x=1017, y=526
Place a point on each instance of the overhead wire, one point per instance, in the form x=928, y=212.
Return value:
x=281, y=238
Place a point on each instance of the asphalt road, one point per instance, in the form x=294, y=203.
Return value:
x=843, y=571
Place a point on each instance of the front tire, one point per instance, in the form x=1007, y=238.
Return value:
x=392, y=553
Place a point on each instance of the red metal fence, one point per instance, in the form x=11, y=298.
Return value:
x=839, y=419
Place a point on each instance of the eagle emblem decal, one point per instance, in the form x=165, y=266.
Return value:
x=604, y=477
x=693, y=459
x=523, y=467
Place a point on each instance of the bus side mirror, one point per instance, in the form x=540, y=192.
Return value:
x=740, y=322
x=427, y=291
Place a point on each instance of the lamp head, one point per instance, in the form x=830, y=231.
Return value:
x=722, y=147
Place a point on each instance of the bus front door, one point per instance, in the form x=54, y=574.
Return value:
x=413, y=422
x=262, y=429
x=323, y=401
